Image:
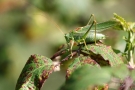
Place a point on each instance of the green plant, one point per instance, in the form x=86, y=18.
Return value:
x=92, y=68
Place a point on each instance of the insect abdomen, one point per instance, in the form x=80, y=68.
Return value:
x=91, y=37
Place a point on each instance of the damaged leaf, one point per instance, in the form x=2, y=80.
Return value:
x=78, y=62
x=104, y=55
x=35, y=72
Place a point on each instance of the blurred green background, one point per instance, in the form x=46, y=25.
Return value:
x=29, y=27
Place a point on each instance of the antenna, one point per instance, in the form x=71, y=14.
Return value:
x=56, y=25
x=50, y=19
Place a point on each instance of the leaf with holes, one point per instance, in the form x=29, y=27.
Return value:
x=35, y=72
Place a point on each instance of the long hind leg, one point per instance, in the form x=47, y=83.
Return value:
x=89, y=22
x=85, y=35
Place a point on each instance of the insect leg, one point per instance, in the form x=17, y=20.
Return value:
x=71, y=47
x=85, y=44
x=84, y=36
x=95, y=29
x=92, y=15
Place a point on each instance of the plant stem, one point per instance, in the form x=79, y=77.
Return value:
x=130, y=51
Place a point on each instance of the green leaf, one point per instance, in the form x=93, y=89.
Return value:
x=78, y=62
x=85, y=76
x=75, y=64
x=104, y=55
x=34, y=73
x=117, y=51
x=122, y=24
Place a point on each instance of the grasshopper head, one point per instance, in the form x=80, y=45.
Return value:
x=68, y=37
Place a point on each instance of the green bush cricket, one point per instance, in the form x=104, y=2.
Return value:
x=81, y=36
x=88, y=34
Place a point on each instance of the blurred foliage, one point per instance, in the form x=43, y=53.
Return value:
x=89, y=77
x=26, y=28
x=4, y=62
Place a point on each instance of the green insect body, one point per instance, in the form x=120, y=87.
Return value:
x=89, y=33
x=77, y=37
x=81, y=36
